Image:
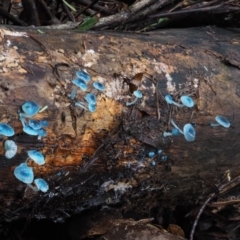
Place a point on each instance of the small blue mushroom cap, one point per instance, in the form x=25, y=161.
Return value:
x=175, y=132
x=30, y=131
x=159, y=151
x=6, y=130
x=164, y=158
x=153, y=163
x=41, y=184
x=42, y=132
x=30, y=108
x=91, y=98
x=187, y=101
x=137, y=94
x=34, y=124
x=24, y=173
x=222, y=121
x=11, y=149
x=92, y=107
x=36, y=156
x=189, y=132
x=80, y=83
x=44, y=123
x=83, y=75
x=151, y=154
x=99, y=86
x=169, y=99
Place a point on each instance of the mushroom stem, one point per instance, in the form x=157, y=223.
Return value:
x=27, y=160
x=74, y=92
x=32, y=187
x=178, y=104
x=215, y=125
x=175, y=125
x=22, y=119
x=131, y=103
x=167, y=134
x=80, y=104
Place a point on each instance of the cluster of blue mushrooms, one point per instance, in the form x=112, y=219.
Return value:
x=32, y=127
x=25, y=174
x=186, y=101
x=188, y=129
x=157, y=155
x=81, y=82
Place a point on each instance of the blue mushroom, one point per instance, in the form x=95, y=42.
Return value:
x=34, y=124
x=164, y=158
x=159, y=151
x=83, y=75
x=24, y=173
x=187, y=101
x=6, y=130
x=188, y=131
x=37, y=124
x=79, y=83
x=169, y=100
x=90, y=98
x=30, y=131
x=41, y=185
x=99, y=86
x=30, y=109
x=11, y=149
x=151, y=154
x=153, y=163
x=92, y=107
x=41, y=133
x=175, y=132
x=44, y=123
x=36, y=156
x=137, y=94
x=221, y=121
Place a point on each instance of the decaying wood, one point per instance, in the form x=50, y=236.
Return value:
x=101, y=158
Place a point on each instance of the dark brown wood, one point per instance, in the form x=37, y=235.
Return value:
x=101, y=158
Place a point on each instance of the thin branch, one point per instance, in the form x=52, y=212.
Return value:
x=125, y=15
x=67, y=11
x=11, y=18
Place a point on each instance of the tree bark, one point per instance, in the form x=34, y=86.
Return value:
x=101, y=158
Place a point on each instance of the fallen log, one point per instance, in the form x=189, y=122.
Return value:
x=101, y=159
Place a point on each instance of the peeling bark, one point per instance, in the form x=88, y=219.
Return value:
x=101, y=158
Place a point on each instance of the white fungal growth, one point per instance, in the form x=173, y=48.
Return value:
x=89, y=58
x=120, y=187
x=114, y=88
x=195, y=82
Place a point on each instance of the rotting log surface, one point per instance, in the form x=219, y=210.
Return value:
x=101, y=158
